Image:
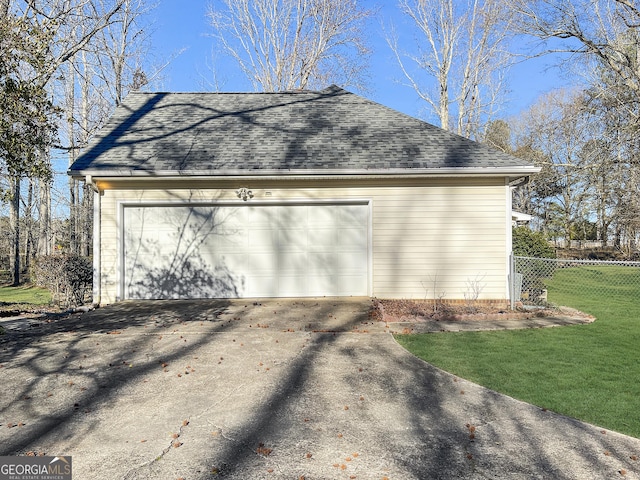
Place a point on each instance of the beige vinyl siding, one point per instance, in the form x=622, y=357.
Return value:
x=448, y=231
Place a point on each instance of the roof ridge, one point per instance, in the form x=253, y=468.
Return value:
x=330, y=89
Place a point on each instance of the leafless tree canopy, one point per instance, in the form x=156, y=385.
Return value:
x=459, y=58
x=607, y=30
x=293, y=44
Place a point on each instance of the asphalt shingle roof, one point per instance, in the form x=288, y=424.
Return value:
x=257, y=133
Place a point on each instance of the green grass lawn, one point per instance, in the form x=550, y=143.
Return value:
x=24, y=294
x=590, y=372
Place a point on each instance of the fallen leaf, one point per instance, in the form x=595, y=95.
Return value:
x=262, y=450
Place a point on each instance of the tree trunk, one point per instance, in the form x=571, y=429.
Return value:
x=44, y=217
x=73, y=184
x=14, y=220
x=28, y=248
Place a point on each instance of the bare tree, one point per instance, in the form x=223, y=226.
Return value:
x=606, y=30
x=293, y=44
x=459, y=60
x=47, y=26
x=559, y=128
x=121, y=50
x=602, y=37
x=97, y=78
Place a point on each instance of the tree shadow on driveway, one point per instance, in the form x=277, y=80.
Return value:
x=61, y=367
x=272, y=389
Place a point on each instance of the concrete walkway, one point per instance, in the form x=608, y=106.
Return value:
x=276, y=389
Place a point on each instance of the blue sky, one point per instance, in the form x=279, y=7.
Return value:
x=180, y=24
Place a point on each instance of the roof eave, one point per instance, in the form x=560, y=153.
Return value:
x=512, y=172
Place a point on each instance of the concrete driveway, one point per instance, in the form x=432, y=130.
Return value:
x=276, y=389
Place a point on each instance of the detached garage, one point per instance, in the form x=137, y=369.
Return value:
x=306, y=193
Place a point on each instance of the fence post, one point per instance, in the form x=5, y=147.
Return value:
x=512, y=281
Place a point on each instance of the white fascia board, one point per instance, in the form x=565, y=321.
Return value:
x=512, y=172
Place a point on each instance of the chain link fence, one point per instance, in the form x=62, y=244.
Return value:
x=536, y=281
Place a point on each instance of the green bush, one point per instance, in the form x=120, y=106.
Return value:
x=527, y=243
x=68, y=277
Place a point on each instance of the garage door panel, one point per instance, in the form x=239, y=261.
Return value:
x=293, y=262
x=321, y=238
x=323, y=216
x=353, y=215
x=262, y=263
x=262, y=286
x=323, y=284
x=352, y=262
x=348, y=284
x=292, y=285
x=258, y=250
x=351, y=239
x=262, y=240
x=320, y=263
x=292, y=240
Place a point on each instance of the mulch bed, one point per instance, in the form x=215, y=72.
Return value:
x=422, y=311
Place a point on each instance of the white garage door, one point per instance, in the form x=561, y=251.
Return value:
x=245, y=251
